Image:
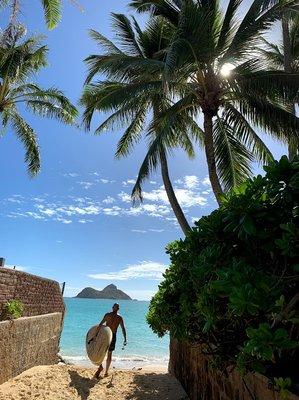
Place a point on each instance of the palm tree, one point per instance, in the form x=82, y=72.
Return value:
x=132, y=91
x=52, y=10
x=285, y=56
x=211, y=61
x=17, y=64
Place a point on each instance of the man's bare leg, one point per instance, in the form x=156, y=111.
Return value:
x=98, y=373
x=108, y=362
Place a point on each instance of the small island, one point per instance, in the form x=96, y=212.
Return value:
x=109, y=292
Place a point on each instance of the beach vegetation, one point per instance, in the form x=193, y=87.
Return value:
x=232, y=284
x=12, y=309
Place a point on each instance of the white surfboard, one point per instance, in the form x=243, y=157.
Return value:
x=97, y=343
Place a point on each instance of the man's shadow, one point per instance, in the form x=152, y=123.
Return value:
x=81, y=384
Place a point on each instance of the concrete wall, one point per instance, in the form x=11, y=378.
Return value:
x=191, y=368
x=29, y=341
x=39, y=295
x=33, y=339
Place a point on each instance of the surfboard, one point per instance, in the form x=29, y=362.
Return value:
x=97, y=343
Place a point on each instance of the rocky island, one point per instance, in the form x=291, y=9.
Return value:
x=109, y=292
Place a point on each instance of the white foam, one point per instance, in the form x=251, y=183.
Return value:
x=126, y=362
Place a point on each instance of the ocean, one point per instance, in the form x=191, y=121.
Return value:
x=143, y=348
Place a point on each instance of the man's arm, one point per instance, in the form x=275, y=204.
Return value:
x=99, y=327
x=123, y=328
x=103, y=320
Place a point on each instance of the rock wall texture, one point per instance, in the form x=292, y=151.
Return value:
x=190, y=367
x=38, y=295
x=27, y=342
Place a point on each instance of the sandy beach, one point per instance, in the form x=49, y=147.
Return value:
x=68, y=382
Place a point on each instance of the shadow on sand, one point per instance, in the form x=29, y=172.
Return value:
x=151, y=386
x=81, y=384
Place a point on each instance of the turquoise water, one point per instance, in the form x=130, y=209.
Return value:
x=143, y=347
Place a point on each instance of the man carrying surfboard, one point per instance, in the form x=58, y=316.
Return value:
x=113, y=320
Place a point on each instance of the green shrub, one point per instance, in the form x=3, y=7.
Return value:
x=13, y=309
x=233, y=282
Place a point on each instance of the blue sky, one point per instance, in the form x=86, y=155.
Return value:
x=74, y=222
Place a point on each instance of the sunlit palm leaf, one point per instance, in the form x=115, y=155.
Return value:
x=52, y=11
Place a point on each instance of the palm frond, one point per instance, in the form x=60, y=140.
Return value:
x=19, y=62
x=228, y=25
x=126, y=35
x=28, y=137
x=123, y=116
x=132, y=134
x=270, y=84
x=149, y=164
x=109, y=96
x=121, y=67
x=232, y=158
x=270, y=117
x=244, y=132
x=257, y=20
x=51, y=103
x=52, y=12
x=168, y=9
x=104, y=43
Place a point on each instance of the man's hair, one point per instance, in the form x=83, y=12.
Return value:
x=115, y=304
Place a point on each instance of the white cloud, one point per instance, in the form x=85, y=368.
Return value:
x=15, y=200
x=157, y=230
x=144, y=270
x=115, y=210
x=125, y=197
x=138, y=231
x=153, y=182
x=86, y=185
x=63, y=220
x=186, y=197
x=84, y=221
x=109, y=200
x=206, y=181
x=70, y=175
x=128, y=182
x=191, y=181
x=35, y=215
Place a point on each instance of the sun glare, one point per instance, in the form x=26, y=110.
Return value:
x=226, y=69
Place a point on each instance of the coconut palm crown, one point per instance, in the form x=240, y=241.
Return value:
x=18, y=64
x=212, y=62
x=133, y=96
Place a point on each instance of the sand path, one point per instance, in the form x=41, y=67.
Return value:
x=65, y=382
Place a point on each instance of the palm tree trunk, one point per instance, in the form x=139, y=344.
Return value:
x=210, y=156
x=287, y=54
x=171, y=195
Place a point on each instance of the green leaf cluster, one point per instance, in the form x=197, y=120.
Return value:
x=13, y=309
x=232, y=285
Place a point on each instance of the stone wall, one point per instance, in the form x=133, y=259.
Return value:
x=38, y=295
x=191, y=368
x=29, y=341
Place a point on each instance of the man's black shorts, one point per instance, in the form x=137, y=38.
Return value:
x=113, y=342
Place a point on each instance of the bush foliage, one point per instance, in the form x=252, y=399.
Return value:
x=12, y=309
x=233, y=282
